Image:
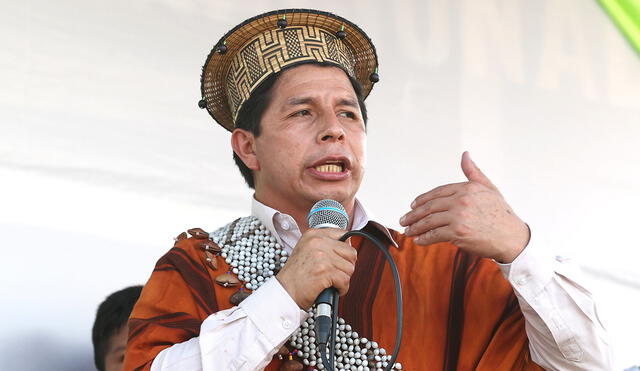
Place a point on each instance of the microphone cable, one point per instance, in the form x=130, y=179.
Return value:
x=322, y=343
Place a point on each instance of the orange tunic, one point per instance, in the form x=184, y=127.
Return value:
x=459, y=311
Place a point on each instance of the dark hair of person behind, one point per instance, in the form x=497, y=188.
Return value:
x=112, y=314
x=251, y=112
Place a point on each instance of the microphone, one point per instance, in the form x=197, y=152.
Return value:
x=326, y=214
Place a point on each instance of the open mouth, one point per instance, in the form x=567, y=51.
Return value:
x=330, y=167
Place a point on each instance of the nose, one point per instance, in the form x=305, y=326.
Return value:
x=331, y=129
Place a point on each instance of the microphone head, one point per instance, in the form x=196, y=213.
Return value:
x=328, y=213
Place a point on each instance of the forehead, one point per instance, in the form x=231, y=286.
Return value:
x=313, y=79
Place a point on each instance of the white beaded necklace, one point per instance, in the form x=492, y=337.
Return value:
x=255, y=256
x=249, y=248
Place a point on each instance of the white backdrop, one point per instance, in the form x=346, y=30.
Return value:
x=104, y=155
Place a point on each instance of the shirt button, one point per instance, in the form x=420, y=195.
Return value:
x=285, y=226
x=286, y=324
x=521, y=281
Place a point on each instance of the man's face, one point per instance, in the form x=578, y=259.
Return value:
x=312, y=141
x=114, y=358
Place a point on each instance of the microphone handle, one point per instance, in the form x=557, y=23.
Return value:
x=324, y=304
x=326, y=296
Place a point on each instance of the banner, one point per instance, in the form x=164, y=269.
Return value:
x=626, y=14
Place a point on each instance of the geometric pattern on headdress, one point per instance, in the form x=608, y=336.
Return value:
x=271, y=51
x=258, y=48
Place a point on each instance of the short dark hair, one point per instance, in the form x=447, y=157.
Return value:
x=251, y=112
x=112, y=314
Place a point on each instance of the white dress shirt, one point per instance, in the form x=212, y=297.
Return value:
x=560, y=316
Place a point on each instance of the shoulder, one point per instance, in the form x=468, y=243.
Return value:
x=192, y=248
x=197, y=249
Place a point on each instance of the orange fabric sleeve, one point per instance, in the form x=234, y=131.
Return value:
x=180, y=294
x=169, y=310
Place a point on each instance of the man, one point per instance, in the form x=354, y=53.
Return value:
x=110, y=330
x=290, y=85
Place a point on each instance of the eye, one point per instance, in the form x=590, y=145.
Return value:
x=347, y=114
x=304, y=112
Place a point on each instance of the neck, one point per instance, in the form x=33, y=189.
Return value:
x=300, y=211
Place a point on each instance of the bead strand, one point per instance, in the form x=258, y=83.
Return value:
x=254, y=256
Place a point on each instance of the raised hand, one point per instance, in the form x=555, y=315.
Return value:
x=472, y=215
x=318, y=261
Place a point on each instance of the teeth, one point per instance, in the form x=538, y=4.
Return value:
x=329, y=168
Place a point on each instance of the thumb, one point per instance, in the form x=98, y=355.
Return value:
x=472, y=172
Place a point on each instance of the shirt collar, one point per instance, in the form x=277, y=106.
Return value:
x=265, y=215
x=272, y=219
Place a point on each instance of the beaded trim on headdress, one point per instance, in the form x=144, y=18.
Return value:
x=270, y=42
x=254, y=256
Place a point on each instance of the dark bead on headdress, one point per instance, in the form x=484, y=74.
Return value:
x=202, y=103
x=221, y=49
x=341, y=34
x=282, y=23
x=374, y=77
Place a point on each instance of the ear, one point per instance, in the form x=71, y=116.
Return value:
x=243, y=144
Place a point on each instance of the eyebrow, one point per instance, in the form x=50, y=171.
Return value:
x=295, y=101
x=349, y=103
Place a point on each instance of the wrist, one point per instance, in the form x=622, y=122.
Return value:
x=290, y=289
x=514, y=249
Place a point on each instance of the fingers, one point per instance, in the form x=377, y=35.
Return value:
x=429, y=222
x=441, y=191
x=333, y=233
x=318, y=261
x=339, y=259
x=331, y=268
x=441, y=234
x=329, y=239
x=429, y=207
x=473, y=172
x=346, y=252
x=470, y=170
x=341, y=282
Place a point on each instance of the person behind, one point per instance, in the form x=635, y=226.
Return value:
x=479, y=292
x=110, y=329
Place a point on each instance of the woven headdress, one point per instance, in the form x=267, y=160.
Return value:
x=265, y=44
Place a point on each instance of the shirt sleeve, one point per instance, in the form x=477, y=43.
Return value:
x=560, y=314
x=245, y=337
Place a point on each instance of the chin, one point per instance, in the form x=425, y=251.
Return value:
x=340, y=195
x=342, y=191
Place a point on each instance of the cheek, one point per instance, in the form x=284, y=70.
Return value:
x=364, y=160
x=360, y=149
x=268, y=150
x=280, y=157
